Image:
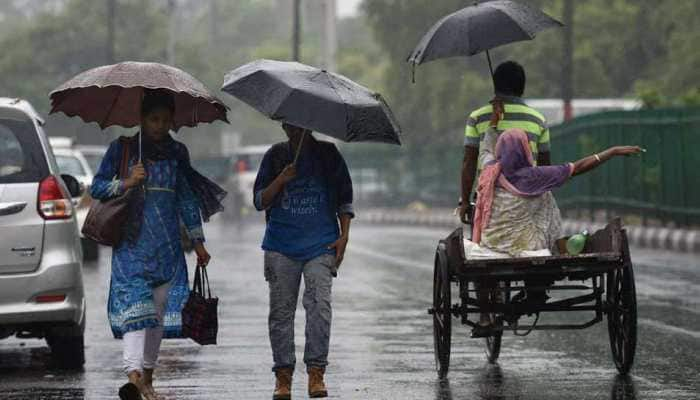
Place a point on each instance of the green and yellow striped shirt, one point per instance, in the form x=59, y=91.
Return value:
x=516, y=115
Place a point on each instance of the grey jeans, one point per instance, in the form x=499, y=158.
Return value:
x=284, y=277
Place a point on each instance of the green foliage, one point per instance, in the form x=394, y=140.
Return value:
x=623, y=48
x=39, y=56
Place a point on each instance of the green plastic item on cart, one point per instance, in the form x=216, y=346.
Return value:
x=576, y=243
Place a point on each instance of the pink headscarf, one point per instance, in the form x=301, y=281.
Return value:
x=514, y=170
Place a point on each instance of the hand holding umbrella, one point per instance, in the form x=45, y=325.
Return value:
x=137, y=176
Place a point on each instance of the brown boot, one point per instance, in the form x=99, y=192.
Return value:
x=283, y=386
x=316, y=386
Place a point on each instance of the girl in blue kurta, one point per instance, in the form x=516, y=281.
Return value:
x=149, y=275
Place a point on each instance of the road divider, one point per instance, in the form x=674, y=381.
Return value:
x=683, y=240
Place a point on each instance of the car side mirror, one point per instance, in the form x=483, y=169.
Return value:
x=74, y=187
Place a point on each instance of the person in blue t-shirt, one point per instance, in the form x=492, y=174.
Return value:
x=308, y=208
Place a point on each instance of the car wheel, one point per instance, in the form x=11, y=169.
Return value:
x=90, y=249
x=67, y=344
x=67, y=352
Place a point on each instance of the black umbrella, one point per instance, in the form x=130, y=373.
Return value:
x=480, y=27
x=314, y=99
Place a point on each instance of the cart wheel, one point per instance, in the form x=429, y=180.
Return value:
x=493, y=347
x=493, y=343
x=442, y=316
x=622, y=314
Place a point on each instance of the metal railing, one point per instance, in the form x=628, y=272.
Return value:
x=662, y=185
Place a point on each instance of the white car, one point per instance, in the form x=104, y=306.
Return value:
x=41, y=282
x=246, y=164
x=93, y=154
x=72, y=162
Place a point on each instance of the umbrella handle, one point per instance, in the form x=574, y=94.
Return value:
x=141, y=133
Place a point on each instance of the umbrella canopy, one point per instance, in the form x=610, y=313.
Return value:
x=314, y=99
x=112, y=94
x=481, y=27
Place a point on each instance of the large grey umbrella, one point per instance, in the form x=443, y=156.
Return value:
x=481, y=27
x=314, y=99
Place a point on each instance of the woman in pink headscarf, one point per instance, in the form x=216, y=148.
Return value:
x=515, y=211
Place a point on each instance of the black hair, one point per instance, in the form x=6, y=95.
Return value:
x=157, y=98
x=509, y=79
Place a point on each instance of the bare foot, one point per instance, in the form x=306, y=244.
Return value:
x=149, y=392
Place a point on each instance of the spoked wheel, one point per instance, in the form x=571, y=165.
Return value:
x=493, y=343
x=493, y=347
x=622, y=314
x=442, y=316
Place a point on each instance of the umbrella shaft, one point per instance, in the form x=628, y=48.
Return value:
x=488, y=57
x=301, y=142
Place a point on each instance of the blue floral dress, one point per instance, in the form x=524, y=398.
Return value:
x=156, y=257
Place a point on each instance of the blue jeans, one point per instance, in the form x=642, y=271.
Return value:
x=284, y=277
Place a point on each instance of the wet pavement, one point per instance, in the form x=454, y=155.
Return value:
x=381, y=345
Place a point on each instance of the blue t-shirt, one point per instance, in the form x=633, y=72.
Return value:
x=302, y=226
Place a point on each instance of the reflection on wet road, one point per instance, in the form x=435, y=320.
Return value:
x=381, y=345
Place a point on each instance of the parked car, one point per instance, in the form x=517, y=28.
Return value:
x=72, y=161
x=247, y=162
x=41, y=286
x=93, y=154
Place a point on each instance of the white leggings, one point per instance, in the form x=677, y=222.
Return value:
x=141, y=347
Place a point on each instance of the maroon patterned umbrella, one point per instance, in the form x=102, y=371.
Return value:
x=111, y=95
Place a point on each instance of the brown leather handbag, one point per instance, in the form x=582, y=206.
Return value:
x=106, y=218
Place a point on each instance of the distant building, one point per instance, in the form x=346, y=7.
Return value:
x=553, y=109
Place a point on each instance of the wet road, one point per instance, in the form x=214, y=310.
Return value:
x=381, y=345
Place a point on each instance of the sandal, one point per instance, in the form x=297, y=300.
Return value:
x=129, y=391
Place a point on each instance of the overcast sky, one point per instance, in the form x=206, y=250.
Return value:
x=347, y=8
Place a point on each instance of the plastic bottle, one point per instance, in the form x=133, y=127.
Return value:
x=576, y=243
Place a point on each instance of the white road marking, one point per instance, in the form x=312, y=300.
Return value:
x=669, y=328
x=401, y=261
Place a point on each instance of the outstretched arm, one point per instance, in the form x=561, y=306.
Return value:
x=591, y=162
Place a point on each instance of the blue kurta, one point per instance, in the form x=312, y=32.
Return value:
x=156, y=257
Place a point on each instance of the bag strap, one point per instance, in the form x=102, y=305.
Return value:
x=124, y=162
x=205, y=282
x=201, y=282
x=197, y=285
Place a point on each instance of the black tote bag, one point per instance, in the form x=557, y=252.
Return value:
x=199, y=316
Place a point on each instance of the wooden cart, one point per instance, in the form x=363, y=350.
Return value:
x=600, y=281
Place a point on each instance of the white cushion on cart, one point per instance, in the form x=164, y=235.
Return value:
x=473, y=251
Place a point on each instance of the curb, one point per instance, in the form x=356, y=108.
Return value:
x=682, y=240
